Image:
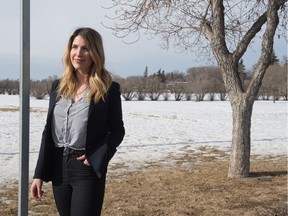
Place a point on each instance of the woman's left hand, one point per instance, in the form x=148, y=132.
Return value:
x=83, y=158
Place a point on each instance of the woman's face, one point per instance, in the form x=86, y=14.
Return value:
x=80, y=56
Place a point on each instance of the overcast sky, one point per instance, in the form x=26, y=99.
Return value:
x=52, y=22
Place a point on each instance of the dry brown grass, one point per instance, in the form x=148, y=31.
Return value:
x=196, y=185
x=16, y=109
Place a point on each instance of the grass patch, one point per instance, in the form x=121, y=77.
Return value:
x=199, y=189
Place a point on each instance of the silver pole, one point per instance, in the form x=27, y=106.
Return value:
x=24, y=109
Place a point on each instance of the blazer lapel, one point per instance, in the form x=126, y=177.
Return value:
x=91, y=107
x=53, y=98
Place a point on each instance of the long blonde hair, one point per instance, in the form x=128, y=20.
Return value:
x=99, y=78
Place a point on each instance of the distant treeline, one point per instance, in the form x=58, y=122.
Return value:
x=199, y=83
x=39, y=88
x=196, y=84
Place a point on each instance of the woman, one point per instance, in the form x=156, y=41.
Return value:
x=83, y=128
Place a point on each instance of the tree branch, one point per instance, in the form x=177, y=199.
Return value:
x=218, y=27
x=248, y=37
x=255, y=28
x=205, y=25
x=267, y=47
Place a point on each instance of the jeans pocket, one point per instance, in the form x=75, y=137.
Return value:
x=78, y=170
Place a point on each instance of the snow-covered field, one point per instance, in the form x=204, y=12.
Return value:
x=154, y=130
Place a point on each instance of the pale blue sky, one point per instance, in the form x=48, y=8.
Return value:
x=53, y=21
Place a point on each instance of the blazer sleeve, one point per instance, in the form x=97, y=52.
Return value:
x=99, y=158
x=43, y=165
x=116, y=125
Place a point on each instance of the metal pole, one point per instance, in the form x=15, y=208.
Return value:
x=24, y=109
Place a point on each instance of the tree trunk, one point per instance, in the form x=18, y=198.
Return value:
x=241, y=142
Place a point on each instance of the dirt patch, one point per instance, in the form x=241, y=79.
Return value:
x=16, y=109
x=202, y=188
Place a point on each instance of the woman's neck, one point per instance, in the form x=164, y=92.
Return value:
x=82, y=78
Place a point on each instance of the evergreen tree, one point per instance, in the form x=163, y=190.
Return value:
x=145, y=74
x=242, y=69
x=274, y=58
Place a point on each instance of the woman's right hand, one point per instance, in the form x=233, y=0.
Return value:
x=36, y=189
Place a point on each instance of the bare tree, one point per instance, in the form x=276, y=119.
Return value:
x=274, y=84
x=154, y=87
x=188, y=91
x=227, y=27
x=205, y=80
x=3, y=85
x=128, y=88
x=39, y=89
x=218, y=86
x=176, y=84
x=140, y=84
x=12, y=87
x=178, y=90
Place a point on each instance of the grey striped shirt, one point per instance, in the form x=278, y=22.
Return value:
x=69, y=122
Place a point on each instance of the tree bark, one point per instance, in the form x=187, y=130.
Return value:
x=241, y=142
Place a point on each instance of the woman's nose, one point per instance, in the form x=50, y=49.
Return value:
x=79, y=52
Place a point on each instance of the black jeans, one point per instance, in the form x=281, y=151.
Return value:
x=77, y=190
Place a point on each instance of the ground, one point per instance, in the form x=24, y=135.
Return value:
x=196, y=184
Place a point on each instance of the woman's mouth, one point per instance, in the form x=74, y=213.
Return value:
x=78, y=60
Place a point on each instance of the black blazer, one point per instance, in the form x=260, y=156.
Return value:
x=105, y=131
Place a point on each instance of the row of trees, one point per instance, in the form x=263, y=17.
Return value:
x=197, y=83
x=39, y=88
